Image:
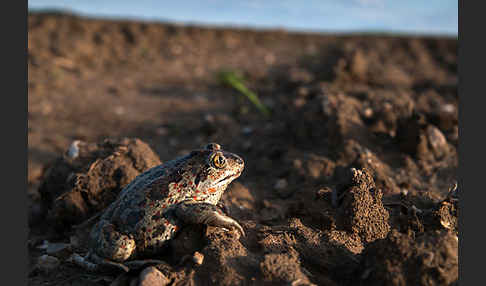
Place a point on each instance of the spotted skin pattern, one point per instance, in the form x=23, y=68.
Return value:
x=155, y=205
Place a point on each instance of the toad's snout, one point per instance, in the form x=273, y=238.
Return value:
x=240, y=164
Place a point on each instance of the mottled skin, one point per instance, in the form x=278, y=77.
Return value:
x=155, y=205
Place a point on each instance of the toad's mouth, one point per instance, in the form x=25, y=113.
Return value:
x=227, y=178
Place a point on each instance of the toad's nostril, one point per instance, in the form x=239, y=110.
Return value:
x=239, y=160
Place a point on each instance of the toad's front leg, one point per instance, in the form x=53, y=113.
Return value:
x=204, y=213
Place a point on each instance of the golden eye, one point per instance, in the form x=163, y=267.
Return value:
x=218, y=160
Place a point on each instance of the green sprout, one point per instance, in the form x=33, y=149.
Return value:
x=235, y=81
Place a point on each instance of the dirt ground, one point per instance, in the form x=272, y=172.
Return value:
x=345, y=182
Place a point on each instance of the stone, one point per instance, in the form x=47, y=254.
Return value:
x=47, y=263
x=59, y=249
x=150, y=276
x=198, y=258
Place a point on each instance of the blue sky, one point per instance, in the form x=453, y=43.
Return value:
x=410, y=16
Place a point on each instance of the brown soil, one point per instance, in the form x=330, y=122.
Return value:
x=345, y=182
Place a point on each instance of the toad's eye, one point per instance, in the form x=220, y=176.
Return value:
x=218, y=160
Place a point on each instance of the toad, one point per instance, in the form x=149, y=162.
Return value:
x=151, y=209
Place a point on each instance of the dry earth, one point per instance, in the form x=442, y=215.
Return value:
x=345, y=182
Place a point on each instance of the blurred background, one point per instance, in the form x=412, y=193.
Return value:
x=414, y=16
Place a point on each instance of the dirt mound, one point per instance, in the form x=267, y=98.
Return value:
x=430, y=215
x=89, y=177
x=350, y=213
x=428, y=259
x=425, y=141
x=289, y=253
x=363, y=210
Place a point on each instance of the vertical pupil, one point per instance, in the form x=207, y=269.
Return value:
x=219, y=160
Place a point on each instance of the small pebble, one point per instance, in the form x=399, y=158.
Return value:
x=198, y=258
x=47, y=263
x=46, y=108
x=176, y=49
x=323, y=192
x=299, y=102
x=300, y=75
x=270, y=212
x=448, y=108
x=447, y=115
x=119, y=110
x=428, y=259
x=209, y=118
x=247, y=145
x=437, y=141
x=113, y=90
x=162, y=131
x=44, y=245
x=59, y=249
x=201, y=97
x=173, y=142
x=151, y=276
x=303, y=91
x=74, y=241
x=368, y=112
x=268, y=126
x=280, y=184
x=297, y=163
x=282, y=190
x=269, y=102
x=35, y=213
x=269, y=58
x=199, y=71
x=73, y=151
x=247, y=130
x=387, y=106
x=453, y=136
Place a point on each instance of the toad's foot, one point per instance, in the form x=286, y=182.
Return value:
x=93, y=262
x=109, y=243
x=204, y=213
